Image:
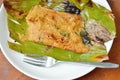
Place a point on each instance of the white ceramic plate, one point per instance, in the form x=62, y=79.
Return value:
x=58, y=72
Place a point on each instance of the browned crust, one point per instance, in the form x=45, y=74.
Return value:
x=48, y=26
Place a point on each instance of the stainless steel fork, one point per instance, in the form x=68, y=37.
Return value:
x=46, y=61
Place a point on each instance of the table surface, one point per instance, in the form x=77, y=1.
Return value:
x=8, y=72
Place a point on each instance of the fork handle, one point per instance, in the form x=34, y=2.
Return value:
x=98, y=64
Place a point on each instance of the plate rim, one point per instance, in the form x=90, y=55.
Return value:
x=24, y=72
x=18, y=68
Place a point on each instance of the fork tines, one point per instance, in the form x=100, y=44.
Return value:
x=34, y=61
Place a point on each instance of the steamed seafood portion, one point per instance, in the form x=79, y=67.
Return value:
x=56, y=29
x=69, y=30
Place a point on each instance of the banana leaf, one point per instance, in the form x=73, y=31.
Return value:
x=97, y=53
x=18, y=26
x=93, y=11
x=80, y=3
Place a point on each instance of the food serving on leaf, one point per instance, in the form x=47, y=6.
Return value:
x=72, y=30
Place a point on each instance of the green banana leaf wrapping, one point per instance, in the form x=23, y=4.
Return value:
x=101, y=15
x=18, y=25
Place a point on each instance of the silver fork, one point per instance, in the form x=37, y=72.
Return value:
x=46, y=61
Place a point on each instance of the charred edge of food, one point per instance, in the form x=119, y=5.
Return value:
x=71, y=8
x=7, y=5
x=90, y=3
x=14, y=12
x=85, y=38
